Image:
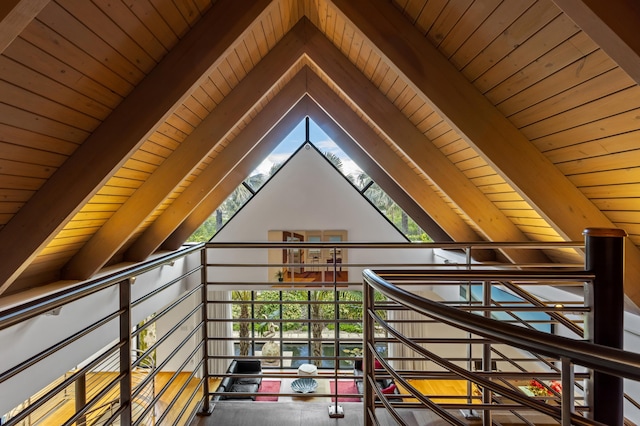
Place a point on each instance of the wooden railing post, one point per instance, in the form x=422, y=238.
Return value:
x=605, y=323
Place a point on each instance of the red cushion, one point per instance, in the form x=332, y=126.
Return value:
x=376, y=364
x=390, y=389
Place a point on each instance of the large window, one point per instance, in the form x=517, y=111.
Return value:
x=299, y=326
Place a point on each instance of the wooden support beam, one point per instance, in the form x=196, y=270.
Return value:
x=219, y=124
x=613, y=25
x=223, y=164
x=108, y=147
x=428, y=200
x=15, y=15
x=230, y=182
x=490, y=220
x=374, y=171
x=491, y=134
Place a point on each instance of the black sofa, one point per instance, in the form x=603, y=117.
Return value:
x=241, y=384
x=382, y=383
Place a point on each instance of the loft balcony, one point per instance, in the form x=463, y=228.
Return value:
x=187, y=316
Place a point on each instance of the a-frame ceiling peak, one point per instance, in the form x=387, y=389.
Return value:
x=465, y=124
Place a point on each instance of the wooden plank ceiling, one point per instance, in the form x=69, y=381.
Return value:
x=123, y=125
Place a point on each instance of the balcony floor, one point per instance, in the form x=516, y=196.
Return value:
x=248, y=413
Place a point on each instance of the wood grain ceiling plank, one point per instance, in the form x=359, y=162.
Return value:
x=107, y=147
x=447, y=20
x=272, y=20
x=73, y=57
x=613, y=26
x=429, y=14
x=39, y=84
x=21, y=183
x=267, y=34
x=188, y=9
x=574, y=49
x=598, y=110
x=467, y=25
x=192, y=111
x=187, y=117
x=242, y=52
x=25, y=154
x=404, y=134
x=38, y=124
x=487, y=31
x=172, y=16
x=577, y=73
x=147, y=13
x=228, y=73
x=600, y=86
x=122, y=225
x=15, y=15
x=41, y=106
x=614, y=144
x=520, y=56
x=124, y=17
x=211, y=177
x=37, y=61
x=102, y=25
x=68, y=26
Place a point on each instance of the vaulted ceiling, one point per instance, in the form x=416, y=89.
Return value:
x=124, y=124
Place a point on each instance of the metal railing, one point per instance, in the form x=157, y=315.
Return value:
x=107, y=388
x=195, y=358
x=514, y=358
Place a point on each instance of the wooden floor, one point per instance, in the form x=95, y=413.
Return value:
x=169, y=402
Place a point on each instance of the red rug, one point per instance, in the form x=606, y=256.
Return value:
x=268, y=386
x=345, y=386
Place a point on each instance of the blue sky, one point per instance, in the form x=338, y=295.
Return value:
x=296, y=138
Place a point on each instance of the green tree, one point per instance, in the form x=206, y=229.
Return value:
x=245, y=314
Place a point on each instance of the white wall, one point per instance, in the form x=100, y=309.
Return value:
x=29, y=338
x=309, y=194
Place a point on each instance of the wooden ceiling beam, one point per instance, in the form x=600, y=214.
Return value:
x=223, y=164
x=267, y=143
x=122, y=225
x=428, y=200
x=372, y=169
x=491, y=134
x=490, y=220
x=613, y=25
x=122, y=133
x=15, y=15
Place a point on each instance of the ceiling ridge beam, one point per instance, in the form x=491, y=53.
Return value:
x=109, y=146
x=122, y=225
x=226, y=162
x=491, y=221
x=479, y=122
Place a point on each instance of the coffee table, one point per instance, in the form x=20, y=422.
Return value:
x=323, y=387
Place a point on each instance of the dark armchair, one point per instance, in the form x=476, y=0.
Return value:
x=241, y=384
x=382, y=383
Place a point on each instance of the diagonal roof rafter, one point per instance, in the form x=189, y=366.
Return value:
x=107, y=148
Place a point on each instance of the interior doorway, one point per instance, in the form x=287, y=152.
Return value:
x=294, y=256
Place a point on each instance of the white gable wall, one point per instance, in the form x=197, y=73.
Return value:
x=307, y=193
